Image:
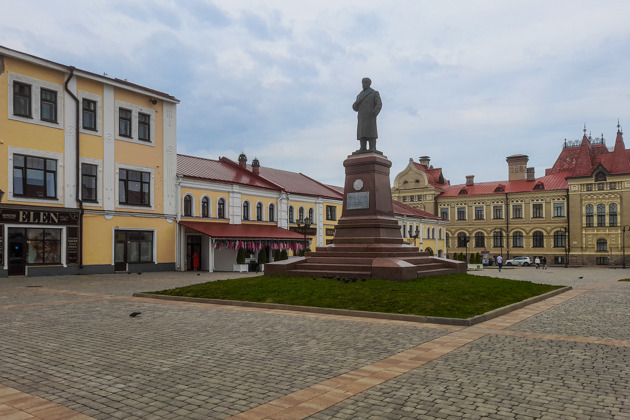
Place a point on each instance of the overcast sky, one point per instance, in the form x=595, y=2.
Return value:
x=464, y=82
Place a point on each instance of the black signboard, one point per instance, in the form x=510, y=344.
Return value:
x=39, y=216
x=1, y=246
x=72, y=245
x=302, y=231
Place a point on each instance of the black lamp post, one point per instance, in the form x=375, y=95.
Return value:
x=467, y=240
x=566, y=248
x=501, y=240
x=623, y=246
x=414, y=236
x=303, y=226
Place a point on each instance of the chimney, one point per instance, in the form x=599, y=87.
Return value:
x=242, y=160
x=530, y=174
x=256, y=166
x=470, y=180
x=424, y=161
x=516, y=167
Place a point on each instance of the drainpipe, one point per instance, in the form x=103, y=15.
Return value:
x=566, y=263
x=78, y=169
x=507, y=226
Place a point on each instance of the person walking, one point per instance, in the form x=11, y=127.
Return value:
x=500, y=262
x=544, y=263
x=537, y=262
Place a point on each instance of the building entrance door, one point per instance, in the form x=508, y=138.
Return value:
x=193, y=245
x=17, y=251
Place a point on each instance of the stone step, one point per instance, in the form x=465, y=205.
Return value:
x=339, y=260
x=436, y=272
x=334, y=267
x=334, y=273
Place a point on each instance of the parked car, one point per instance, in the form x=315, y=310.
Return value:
x=524, y=261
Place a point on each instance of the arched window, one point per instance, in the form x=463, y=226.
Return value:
x=498, y=239
x=272, y=212
x=440, y=233
x=310, y=215
x=612, y=215
x=301, y=213
x=480, y=240
x=517, y=239
x=221, y=208
x=448, y=240
x=245, y=210
x=589, y=215
x=461, y=240
x=291, y=214
x=538, y=239
x=602, y=245
x=559, y=239
x=259, y=211
x=205, y=207
x=187, y=205
x=601, y=215
x=432, y=233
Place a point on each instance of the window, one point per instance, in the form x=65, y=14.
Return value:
x=291, y=214
x=600, y=187
x=221, y=208
x=600, y=177
x=461, y=213
x=144, y=127
x=134, y=187
x=310, y=215
x=133, y=246
x=22, y=99
x=412, y=198
x=539, y=186
x=205, y=207
x=404, y=199
x=331, y=213
x=44, y=246
x=538, y=239
x=500, y=188
x=479, y=213
x=589, y=187
x=272, y=212
x=517, y=211
x=461, y=240
x=188, y=205
x=498, y=239
x=259, y=212
x=602, y=245
x=89, y=114
x=419, y=198
x=246, y=210
x=559, y=239
x=448, y=239
x=601, y=215
x=34, y=176
x=124, y=122
x=517, y=239
x=589, y=215
x=444, y=213
x=612, y=215
x=612, y=186
x=558, y=209
x=497, y=212
x=89, y=175
x=463, y=191
x=48, y=105
x=537, y=210
x=301, y=213
x=480, y=240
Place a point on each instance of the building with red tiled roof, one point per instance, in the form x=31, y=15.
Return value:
x=573, y=214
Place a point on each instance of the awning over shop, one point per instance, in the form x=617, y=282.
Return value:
x=242, y=232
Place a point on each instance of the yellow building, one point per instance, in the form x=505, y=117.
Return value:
x=89, y=178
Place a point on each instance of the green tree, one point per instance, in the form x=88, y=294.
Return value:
x=262, y=256
x=240, y=256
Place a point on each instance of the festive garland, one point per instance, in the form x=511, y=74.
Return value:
x=257, y=245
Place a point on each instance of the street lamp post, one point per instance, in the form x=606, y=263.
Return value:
x=303, y=226
x=566, y=248
x=467, y=240
x=623, y=246
x=414, y=236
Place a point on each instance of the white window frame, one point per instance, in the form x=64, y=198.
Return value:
x=209, y=206
x=120, y=166
x=36, y=86
x=41, y=154
x=99, y=112
x=99, y=181
x=192, y=204
x=135, y=109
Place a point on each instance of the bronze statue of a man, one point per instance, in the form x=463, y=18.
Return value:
x=368, y=105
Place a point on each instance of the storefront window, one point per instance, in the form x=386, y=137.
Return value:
x=44, y=246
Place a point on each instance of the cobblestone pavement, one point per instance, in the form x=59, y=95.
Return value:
x=68, y=343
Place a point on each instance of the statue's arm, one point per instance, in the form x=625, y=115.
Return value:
x=377, y=103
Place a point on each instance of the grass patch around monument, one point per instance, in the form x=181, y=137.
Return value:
x=453, y=296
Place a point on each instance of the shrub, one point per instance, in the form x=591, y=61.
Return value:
x=240, y=256
x=284, y=255
x=262, y=256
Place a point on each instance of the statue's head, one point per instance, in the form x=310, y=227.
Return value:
x=366, y=82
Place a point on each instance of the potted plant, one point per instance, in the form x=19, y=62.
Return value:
x=262, y=259
x=240, y=265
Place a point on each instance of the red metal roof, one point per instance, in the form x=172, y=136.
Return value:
x=550, y=182
x=244, y=231
x=406, y=210
x=298, y=183
x=434, y=175
x=223, y=170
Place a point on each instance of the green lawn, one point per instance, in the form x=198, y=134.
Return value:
x=455, y=295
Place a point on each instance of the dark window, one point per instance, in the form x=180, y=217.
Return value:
x=538, y=239
x=517, y=239
x=21, y=99
x=602, y=245
x=448, y=239
x=44, y=246
x=612, y=186
x=133, y=246
x=537, y=210
x=499, y=189
x=461, y=240
x=463, y=191
x=589, y=215
x=589, y=187
x=301, y=213
x=480, y=240
x=539, y=186
x=187, y=205
x=134, y=187
x=310, y=215
x=479, y=213
x=612, y=214
x=259, y=211
x=48, y=103
x=291, y=214
x=124, y=122
x=498, y=239
x=221, y=208
x=517, y=211
x=205, y=207
x=461, y=213
x=331, y=213
x=34, y=177
x=600, y=177
x=559, y=239
x=558, y=209
x=89, y=114
x=601, y=215
x=144, y=126
x=272, y=213
x=444, y=213
x=89, y=175
x=246, y=210
x=497, y=212
x=602, y=260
